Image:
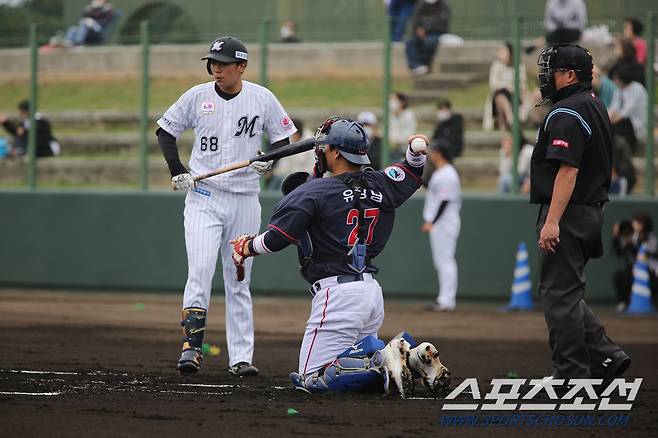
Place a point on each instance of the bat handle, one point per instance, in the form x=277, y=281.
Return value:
x=225, y=169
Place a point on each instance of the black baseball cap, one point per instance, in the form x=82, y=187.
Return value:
x=227, y=49
x=573, y=57
x=442, y=146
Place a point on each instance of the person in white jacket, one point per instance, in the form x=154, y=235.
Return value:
x=441, y=220
x=402, y=124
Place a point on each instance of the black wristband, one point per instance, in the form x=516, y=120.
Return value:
x=250, y=246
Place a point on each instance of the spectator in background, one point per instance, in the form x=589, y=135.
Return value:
x=523, y=164
x=505, y=165
x=449, y=127
x=628, y=109
x=402, y=123
x=632, y=30
x=431, y=19
x=622, y=276
x=501, y=87
x=564, y=21
x=400, y=11
x=303, y=162
x=47, y=145
x=626, y=57
x=449, y=130
x=371, y=125
x=90, y=29
x=289, y=32
x=603, y=86
x=505, y=162
x=626, y=244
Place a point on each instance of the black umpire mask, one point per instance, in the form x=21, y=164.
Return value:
x=562, y=57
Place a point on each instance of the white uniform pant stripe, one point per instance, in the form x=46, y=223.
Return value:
x=239, y=313
x=341, y=314
x=210, y=223
x=443, y=241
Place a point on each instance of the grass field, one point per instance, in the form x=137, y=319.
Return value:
x=125, y=95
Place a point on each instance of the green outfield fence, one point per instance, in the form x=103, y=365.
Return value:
x=183, y=21
x=134, y=240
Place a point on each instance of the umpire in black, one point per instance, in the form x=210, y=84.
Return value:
x=570, y=174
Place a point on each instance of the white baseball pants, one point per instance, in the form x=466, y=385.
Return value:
x=211, y=221
x=341, y=314
x=443, y=240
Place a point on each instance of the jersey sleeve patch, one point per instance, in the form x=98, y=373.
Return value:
x=395, y=173
x=561, y=143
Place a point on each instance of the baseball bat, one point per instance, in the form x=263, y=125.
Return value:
x=285, y=151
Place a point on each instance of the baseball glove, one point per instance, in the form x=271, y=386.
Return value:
x=238, y=254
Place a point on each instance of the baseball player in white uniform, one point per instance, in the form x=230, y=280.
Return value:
x=229, y=117
x=441, y=215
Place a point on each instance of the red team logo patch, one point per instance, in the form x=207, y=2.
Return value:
x=561, y=143
x=285, y=122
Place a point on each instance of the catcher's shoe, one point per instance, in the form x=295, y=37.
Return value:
x=189, y=362
x=426, y=366
x=394, y=357
x=311, y=384
x=243, y=369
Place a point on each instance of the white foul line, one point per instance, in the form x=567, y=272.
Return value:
x=50, y=394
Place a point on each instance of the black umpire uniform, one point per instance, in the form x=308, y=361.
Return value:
x=576, y=133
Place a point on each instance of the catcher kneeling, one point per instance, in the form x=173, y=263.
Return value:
x=372, y=366
x=339, y=225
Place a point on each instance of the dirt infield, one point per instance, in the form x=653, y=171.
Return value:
x=91, y=364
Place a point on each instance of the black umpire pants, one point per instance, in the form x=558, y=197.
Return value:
x=577, y=338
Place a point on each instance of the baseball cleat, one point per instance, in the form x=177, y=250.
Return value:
x=440, y=308
x=189, y=362
x=426, y=366
x=243, y=369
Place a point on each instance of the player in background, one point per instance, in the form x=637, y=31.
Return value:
x=229, y=116
x=340, y=225
x=442, y=222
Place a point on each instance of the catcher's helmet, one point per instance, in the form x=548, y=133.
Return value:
x=226, y=49
x=562, y=57
x=348, y=136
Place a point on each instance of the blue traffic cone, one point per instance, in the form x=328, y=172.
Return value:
x=521, y=298
x=641, y=292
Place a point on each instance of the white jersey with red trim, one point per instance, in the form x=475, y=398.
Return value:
x=227, y=131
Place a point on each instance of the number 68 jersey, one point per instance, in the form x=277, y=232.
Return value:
x=227, y=131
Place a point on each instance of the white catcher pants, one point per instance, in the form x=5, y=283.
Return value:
x=341, y=314
x=211, y=221
x=443, y=240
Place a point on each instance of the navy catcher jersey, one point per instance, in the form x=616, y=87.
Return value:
x=325, y=208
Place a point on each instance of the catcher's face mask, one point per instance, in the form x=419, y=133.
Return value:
x=320, y=145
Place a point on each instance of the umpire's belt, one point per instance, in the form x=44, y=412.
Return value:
x=328, y=282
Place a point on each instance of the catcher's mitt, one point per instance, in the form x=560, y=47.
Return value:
x=238, y=254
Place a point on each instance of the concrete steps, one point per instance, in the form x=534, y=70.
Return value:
x=446, y=80
x=114, y=144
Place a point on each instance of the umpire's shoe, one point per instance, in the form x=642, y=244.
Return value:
x=243, y=369
x=613, y=366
